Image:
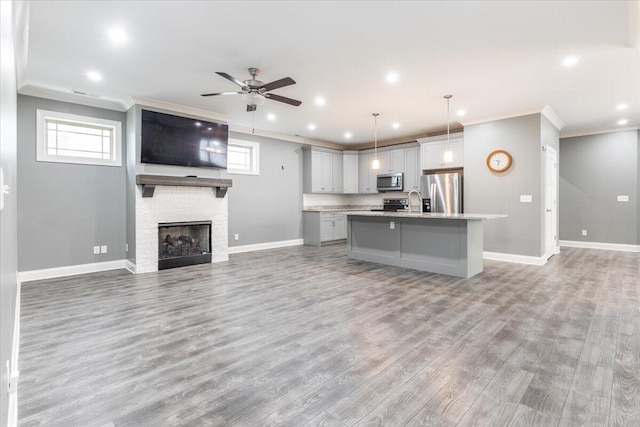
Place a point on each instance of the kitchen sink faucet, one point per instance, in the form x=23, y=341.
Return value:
x=419, y=200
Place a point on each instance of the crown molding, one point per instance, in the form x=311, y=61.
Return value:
x=74, y=98
x=150, y=102
x=552, y=117
x=536, y=110
x=284, y=137
x=597, y=132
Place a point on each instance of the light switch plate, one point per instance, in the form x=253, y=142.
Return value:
x=103, y=249
x=96, y=250
x=526, y=198
x=392, y=225
x=623, y=198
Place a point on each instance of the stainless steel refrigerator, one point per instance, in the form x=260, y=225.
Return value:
x=441, y=193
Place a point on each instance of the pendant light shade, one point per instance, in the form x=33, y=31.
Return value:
x=447, y=157
x=376, y=163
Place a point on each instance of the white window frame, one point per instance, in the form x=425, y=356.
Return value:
x=255, y=157
x=74, y=119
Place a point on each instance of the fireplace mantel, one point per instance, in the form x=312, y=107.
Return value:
x=149, y=182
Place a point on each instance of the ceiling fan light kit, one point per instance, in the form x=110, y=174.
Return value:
x=255, y=92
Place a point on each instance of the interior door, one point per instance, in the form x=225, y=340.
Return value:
x=551, y=201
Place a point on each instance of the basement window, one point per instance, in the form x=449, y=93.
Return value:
x=69, y=138
x=243, y=157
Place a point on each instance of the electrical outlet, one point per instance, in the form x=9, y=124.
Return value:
x=584, y=232
x=236, y=236
x=392, y=225
x=103, y=249
x=623, y=198
x=526, y=198
x=126, y=247
x=96, y=250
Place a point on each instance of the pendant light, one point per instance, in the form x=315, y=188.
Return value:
x=448, y=154
x=376, y=163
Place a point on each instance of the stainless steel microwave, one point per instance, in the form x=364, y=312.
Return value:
x=390, y=182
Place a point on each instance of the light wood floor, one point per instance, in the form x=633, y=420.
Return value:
x=304, y=336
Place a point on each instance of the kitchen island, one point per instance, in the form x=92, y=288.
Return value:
x=448, y=244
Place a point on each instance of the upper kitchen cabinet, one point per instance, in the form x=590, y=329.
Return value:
x=322, y=170
x=391, y=161
x=432, y=152
x=412, y=169
x=366, y=174
x=350, y=172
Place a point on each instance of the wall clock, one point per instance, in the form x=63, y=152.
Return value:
x=499, y=161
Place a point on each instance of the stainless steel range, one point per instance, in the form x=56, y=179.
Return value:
x=393, y=205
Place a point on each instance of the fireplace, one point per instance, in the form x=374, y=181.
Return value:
x=183, y=243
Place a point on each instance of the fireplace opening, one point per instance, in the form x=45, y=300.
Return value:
x=183, y=243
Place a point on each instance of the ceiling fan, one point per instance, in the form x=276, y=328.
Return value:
x=255, y=92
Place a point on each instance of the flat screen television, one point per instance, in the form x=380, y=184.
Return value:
x=180, y=141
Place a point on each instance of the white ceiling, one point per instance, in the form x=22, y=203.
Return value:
x=497, y=58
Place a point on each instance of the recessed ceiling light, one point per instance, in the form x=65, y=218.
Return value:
x=311, y=126
x=209, y=128
x=198, y=124
x=320, y=101
x=347, y=135
x=570, y=61
x=392, y=77
x=395, y=125
x=117, y=35
x=623, y=122
x=271, y=117
x=461, y=113
x=94, y=76
x=622, y=107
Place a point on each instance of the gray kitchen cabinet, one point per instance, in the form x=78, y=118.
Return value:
x=323, y=227
x=350, y=172
x=412, y=169
x=322, y=171
x=431, y=153
x=366, y=174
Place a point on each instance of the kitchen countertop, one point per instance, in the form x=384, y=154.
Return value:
x=341, y=208
x=402, y=214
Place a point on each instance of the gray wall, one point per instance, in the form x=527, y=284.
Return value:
x=66, y=209
x=8, y=216
x=488, y=192
x=267, y=207
x=594, y=170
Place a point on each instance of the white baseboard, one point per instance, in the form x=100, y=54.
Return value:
x=599, y=245
x=263, y=246
x=130, y=266
x=71, y=270
x=14, y=374
x=520, y=259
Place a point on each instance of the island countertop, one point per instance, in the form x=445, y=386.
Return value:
x=423, y=215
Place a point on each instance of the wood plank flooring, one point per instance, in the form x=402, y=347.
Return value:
x=304, y=336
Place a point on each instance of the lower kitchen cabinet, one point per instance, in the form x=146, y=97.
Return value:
x=323, y=227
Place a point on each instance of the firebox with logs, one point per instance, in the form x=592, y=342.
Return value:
x=183, y=243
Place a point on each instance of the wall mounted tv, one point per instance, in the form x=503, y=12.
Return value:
x=180, y=141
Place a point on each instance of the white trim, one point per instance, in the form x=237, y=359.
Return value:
x=528, y=112
x=130, y=266
x=263, y=246
x=600, y=245
x=71, y=270
x=176, y=108
x=255, y=157
x=14, y=374
x=76, y=119
x=598, y=132
x=552, y=117
x=72, y=97
x=520, y=259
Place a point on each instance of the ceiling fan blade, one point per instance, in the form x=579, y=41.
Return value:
x=287, y=81
x=251, y=107
x=222, y=93
x=283, y=99
x=233, y=79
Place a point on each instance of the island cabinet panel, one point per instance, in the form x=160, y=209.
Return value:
x=445, y=246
